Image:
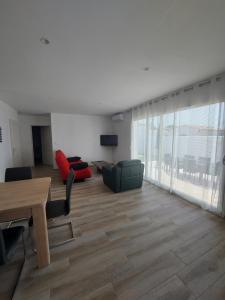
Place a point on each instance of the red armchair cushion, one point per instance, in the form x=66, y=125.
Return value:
x=83, y=173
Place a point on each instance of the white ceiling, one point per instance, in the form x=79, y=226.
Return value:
x=98, y=49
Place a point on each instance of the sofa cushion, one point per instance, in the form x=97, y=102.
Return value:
x=79, y=166
x=83, y=173
x=73, y=159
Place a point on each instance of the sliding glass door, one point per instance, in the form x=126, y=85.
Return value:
x=198, y=154
x=159, y=150
x=183, y=152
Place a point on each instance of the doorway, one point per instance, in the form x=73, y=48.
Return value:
x=42, y=145
x=37, y=145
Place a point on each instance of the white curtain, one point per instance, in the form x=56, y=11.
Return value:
x=180, y=139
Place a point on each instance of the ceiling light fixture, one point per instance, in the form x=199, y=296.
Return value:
x=146, y=69
x=44, y=41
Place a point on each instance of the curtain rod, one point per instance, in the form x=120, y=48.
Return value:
x=183, y=89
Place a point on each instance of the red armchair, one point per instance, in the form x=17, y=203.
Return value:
x=66, y=164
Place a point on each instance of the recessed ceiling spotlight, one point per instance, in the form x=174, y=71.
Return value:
x=146, y=69
x=44, y=41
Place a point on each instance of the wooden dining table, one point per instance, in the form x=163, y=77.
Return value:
x=25, y=199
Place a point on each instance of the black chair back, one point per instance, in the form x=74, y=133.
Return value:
x=19, y=173
x=2, y=249
x=69, y=184
x=9, y=238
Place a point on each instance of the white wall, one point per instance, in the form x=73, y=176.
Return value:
x=74, y=134
x=123, y=130
x=46, y=140
x=6, y=114
x=80, y=135
x=25, y=123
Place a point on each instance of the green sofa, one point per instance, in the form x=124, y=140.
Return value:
x=126, y=175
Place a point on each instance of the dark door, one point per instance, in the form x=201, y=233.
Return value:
x=37, y=145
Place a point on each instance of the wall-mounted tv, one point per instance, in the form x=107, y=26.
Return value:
x=109, y=140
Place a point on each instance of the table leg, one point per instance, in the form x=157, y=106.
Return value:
x=41, y=235
x=49, y=194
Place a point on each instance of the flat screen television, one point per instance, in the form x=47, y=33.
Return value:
x=109, y=140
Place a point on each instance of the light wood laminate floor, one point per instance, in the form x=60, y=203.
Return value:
x=141, y=244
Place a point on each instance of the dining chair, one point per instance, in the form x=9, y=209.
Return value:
x=18, y=173
x=58, y=208
x=9, y=238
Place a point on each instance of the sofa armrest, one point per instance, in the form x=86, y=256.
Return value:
x=107, y=169
x=111, y=177
x=73, y=158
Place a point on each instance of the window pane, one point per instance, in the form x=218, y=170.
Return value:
x=153, y=149
x=166, y=149
x=139, y=128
